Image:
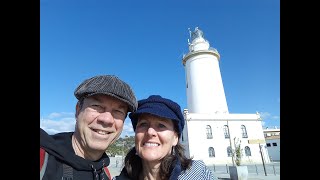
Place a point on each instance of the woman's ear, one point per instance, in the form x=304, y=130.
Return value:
x=176, y=139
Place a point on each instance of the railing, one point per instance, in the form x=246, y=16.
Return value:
x=256, y=169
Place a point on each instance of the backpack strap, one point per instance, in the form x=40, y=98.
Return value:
x=43, y=161
x=107, y=172
x=67, y=170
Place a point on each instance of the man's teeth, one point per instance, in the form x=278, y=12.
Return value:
x=151, y=144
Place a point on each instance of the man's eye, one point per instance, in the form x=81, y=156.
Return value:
x=120, y=113
x=96, y=106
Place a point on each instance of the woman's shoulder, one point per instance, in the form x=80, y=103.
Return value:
x=198, y=170
x=199, y=163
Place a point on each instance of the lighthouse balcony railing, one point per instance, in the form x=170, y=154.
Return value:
x=213, y=49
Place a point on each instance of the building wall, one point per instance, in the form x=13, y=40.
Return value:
x=197, y=144
x=273, y=143
x=274, y=151
x=272, y=135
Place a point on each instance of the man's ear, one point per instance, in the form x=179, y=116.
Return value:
x=77, y=109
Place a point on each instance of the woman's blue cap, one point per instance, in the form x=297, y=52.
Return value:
x=161, y=107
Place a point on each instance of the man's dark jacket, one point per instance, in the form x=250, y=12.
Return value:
x=59, y=148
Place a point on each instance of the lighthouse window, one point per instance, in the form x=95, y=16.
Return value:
x=226, y=132
x=247, y=151
x=209, y=132
x=211, y=152
x=244, y=131
x=229, y=151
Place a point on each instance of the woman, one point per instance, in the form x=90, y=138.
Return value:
x=158, y=154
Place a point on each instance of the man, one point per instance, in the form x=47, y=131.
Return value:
x=103, y=104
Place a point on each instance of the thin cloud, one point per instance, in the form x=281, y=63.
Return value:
x=55, y=115
x=56, y=126
x=266, y=116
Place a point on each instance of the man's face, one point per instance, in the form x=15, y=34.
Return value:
x=99, y=122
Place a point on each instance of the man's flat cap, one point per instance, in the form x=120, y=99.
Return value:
x=109, y=85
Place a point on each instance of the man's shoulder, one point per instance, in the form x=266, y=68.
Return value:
x=46, y=138
x=62, y=135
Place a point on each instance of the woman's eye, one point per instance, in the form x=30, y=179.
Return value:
x=142, y=124
x=162, y=126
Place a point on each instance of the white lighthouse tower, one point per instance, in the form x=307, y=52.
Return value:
x=211, y=133
x=205, y=92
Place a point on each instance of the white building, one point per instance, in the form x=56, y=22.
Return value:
x=272, y=136
x=211, y=132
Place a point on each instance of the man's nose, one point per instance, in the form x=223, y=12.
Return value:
x=106, y=117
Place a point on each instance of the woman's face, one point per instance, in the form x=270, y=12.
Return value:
x=154, y=137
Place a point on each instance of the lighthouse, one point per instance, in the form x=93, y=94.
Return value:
x=211, y=132
x=205, y=92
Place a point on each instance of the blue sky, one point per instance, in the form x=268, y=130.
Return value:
x=143, y=42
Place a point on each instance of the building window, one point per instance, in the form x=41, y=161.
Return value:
x=209, y=132
x=244, y=131
x=211, y=152
x=226, y=132
x=247, y=151
x=268, y=144
x=274, y=144
x=229, y=151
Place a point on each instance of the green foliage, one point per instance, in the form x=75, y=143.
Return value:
x=237, y=151
x=121, y=146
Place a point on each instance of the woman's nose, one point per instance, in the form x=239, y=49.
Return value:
x=151, y=131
